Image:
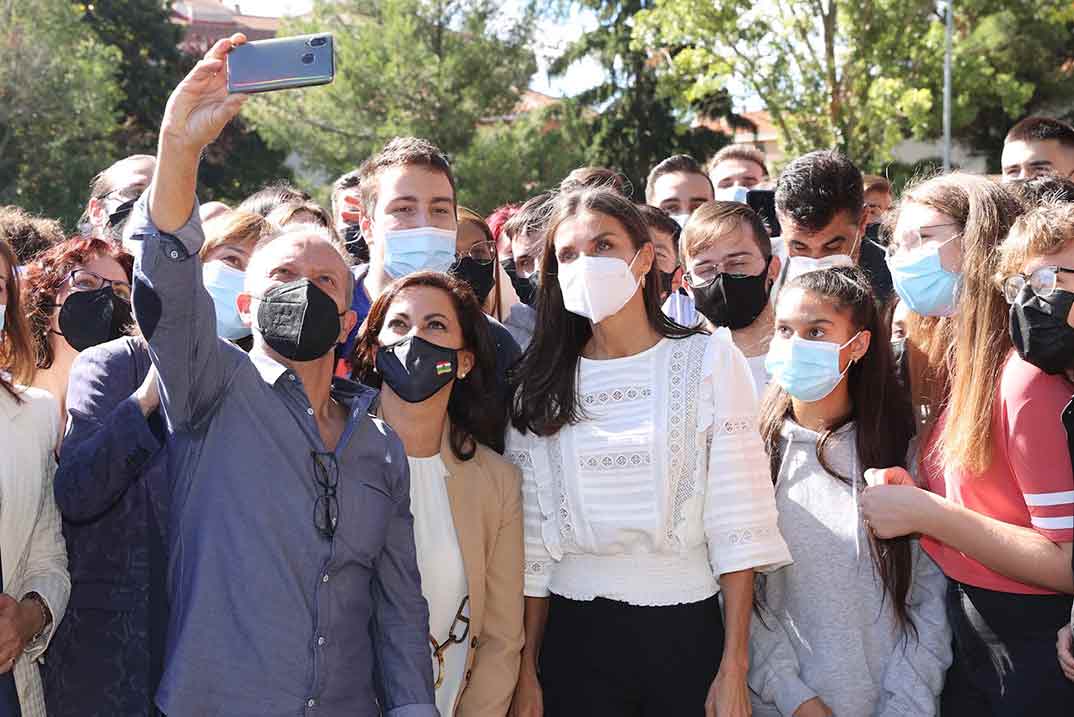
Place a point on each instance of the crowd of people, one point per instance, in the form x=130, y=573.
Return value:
x=784, y=445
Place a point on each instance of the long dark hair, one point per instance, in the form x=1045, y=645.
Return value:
x=878, y=407
x=546, y=397
x=16, y=348
x=477, y=413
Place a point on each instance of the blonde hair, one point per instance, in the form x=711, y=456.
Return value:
x=955, y=362
x=1041, y=231
x=714, y=220
x=236, y=227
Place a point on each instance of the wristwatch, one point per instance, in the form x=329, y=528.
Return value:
x=46, y=614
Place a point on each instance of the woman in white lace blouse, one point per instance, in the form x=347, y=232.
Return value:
x=645, y=486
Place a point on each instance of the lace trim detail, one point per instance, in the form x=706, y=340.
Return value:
x=535, y=567
x=615, y=461
x=685, y=371
x=735, y=424
x=617, y=395
x=522, y=459
x=745, y=536
x=566, y=528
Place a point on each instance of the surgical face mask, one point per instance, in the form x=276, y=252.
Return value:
x=407, y=251
x=807, y=370
x=681, y=219
x=415, y=368
x=798, y=265
x=1040, y=332
x=89, y=318
x=224, y=284
x=597, y=287
x=298, y=320
x=732, y=194
x=921, y=281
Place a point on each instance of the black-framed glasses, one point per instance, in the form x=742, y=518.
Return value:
x=483, y=252
x=119, y=215
x=1041, y=282
x=86, y=280
x=439, y=648
x=326, y=508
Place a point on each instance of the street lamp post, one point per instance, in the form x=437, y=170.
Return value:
x=947, y=87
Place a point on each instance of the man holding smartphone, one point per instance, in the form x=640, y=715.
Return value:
x=294, y=584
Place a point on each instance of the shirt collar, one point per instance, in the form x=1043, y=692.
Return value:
x=269, y=368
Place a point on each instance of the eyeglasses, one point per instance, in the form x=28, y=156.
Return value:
x=86, y=280
x=483, y=252
x=439, y=648
x=326, y=509
x=1041, y=282
x=913, y=239
x=705, y=275
x=119, y=215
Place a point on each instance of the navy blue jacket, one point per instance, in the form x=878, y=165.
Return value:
x=105, y=658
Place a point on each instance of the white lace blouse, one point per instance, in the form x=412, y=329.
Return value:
x=661, y=488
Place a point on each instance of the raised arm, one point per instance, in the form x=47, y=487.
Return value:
x=108, y=442
x=174, y=312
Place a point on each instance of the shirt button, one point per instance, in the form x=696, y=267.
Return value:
x=291, y=376
x=309, y=411
x=173, y=254
x=321, y=640
x=324, y=578
x=311, y=702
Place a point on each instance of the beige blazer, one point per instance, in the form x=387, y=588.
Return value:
x=31, y=538
x=486, y=505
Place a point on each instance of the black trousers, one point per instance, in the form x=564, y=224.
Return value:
x=607, y=658
x=1005, y=662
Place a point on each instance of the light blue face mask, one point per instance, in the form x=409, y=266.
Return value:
x=921, y=281
x=732, y=194
x=423, y=249
x=807, y=370
x=224, y=285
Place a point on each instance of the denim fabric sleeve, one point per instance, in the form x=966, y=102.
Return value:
x=400, y=625
x=175, y=314
x=108, y=441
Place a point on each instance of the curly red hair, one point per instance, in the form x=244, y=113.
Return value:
x=43, y=277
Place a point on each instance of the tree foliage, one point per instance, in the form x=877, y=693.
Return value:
x=430, y=68
x=862, y=75
x=509, y=161
x=639, y=122
x=58, y=96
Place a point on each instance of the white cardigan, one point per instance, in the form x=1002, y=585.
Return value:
x=660, y=489
x=31, y=537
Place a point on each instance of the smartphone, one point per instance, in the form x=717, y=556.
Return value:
x=282, y=63
x=763, y=201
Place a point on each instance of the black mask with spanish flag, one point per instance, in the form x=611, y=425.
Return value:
x=415, y=368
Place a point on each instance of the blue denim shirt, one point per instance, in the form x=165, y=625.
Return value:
x=268, y=617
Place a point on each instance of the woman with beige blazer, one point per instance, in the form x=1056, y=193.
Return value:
x=32, y=553
x=426, y=342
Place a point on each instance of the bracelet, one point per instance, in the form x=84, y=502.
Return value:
x=46, y=618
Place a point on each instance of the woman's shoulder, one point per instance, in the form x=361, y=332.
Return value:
x=36, y=407
x=497, y=467
x=1021, y=382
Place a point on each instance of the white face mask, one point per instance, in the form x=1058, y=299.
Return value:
x=799, y=265
x=732, y=194
x=681, y=219
x=597, y=287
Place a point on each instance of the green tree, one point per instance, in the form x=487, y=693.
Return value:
x=511, y=161
x=431, y=68
x=58, y=95
x=238, y=163
x=639, y=122
x=862, y=75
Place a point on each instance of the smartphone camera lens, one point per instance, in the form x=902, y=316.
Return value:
x=318, y=42
x=307, y=59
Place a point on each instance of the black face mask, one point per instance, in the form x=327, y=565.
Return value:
x=734, y=301
x=416, y=369
x=478, y=276
x=526, y=288
x=88, y=318
x=1040, y=332
x=355, y=242
x=299, y=321
x=665, y=282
